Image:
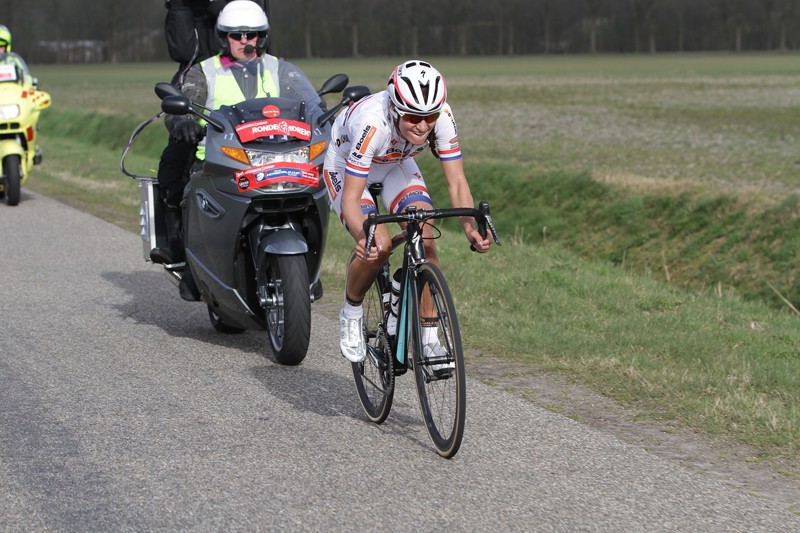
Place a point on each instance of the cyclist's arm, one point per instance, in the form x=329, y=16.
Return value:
x=351, y=204
x=461, y=196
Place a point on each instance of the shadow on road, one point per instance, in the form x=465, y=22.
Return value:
x=330, y=394
x=153, y=300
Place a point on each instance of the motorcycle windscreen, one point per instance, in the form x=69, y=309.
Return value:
x=269, y=120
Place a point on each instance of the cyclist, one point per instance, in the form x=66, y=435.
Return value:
x=375, y=141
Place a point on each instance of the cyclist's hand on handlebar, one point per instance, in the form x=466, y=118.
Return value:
x=479, y=244
x=374, y=251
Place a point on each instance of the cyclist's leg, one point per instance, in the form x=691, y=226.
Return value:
x=405, y=189
x=361, y=274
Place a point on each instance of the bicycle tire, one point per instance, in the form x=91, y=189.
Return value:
x=441, y=392
x=374, y=377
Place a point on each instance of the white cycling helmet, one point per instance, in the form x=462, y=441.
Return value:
x=242, y=15
x=418, y=88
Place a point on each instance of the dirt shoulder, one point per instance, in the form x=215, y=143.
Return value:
x=729, y=462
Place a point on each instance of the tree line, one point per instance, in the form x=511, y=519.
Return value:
x=120, y=31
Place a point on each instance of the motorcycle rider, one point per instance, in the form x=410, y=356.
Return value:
x=190, y=30
x=5, y=39
x=242, y=70
x=6, y=56
x=375, y=141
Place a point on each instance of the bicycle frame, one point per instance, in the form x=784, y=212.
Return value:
x=413, y=256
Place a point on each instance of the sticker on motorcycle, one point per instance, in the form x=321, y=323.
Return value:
x=257, y=177
x=8, y=73
x=266, y=128
x=271, y=111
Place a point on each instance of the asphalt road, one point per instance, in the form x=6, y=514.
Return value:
x=121, y=409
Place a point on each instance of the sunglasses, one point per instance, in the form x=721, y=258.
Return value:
x=237, y=35
x=416, y=119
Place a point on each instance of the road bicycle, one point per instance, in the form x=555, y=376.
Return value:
x=425, y=315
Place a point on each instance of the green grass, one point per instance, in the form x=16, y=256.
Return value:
x=649, y=208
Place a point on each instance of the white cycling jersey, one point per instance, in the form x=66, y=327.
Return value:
x=366, y=145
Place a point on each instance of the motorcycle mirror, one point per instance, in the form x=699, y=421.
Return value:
x=176, y=105
x=355, y=93
x=164, y=89
x=334, y=84
x=350, y=94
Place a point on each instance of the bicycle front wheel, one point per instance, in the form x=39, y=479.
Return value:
x=374, y=377
x=439, y=361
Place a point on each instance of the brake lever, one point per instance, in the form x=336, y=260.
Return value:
x=369, y=230
x=492, y=229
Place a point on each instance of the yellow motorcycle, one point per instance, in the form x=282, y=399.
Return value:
x=20, y=104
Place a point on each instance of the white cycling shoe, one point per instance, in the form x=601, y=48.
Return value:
x=351, y=338
x=435, y=350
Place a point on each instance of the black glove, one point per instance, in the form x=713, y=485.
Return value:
x=187, y=131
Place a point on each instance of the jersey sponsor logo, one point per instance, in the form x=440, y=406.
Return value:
x=269, y=127
x=344, y=139
x=391, y=156
x=282, y=171
x=414, y=193
x=334, y=183
x=366, y=137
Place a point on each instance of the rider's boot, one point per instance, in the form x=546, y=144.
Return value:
x=187, y=287
x=38, y=156
x=173, y=253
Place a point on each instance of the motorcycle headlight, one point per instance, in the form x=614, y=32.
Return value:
x=258, y=158
x=9, y=111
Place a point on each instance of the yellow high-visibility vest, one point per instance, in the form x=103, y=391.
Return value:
x=224, y=90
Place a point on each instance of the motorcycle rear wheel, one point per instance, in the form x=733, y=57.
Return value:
x=289, y=316
x=13, y=178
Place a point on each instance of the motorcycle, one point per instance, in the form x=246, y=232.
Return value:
x=20, y=105
x=255, y=213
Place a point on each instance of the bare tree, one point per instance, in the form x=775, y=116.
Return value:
x=593, y=8
x=643, y=13
x=787, y=10
x=355, y=17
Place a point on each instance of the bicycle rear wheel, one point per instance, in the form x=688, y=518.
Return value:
x=374, y=377
x=440, y=377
